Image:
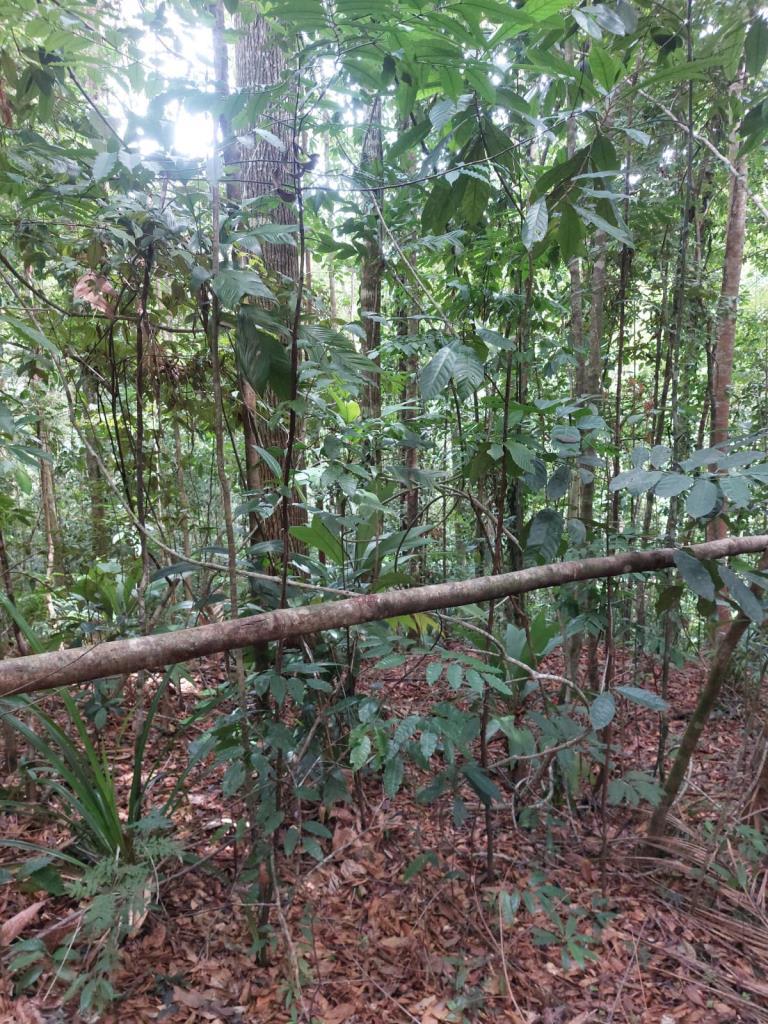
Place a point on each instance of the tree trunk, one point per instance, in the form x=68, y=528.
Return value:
x=267, y=170
x=61, y=668
x=718, y=673
x=53, y=553
x=372, y=267
x=726, y=327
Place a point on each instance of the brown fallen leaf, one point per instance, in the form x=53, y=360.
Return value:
x=15, y=925
x=339, y=1014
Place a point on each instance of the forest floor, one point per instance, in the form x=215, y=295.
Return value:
x=359, y=945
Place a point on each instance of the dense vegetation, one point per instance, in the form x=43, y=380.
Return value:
x=302, y=300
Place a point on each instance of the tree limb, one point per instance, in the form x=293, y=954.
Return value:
x=78, y=665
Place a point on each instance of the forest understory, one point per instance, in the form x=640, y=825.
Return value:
x=678, y=934
x=383, y=511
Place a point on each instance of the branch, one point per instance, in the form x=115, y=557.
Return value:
x=62, y=668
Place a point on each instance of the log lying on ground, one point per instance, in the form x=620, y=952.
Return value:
x=118, y=657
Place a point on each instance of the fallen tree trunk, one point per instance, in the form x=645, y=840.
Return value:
x=118, y=657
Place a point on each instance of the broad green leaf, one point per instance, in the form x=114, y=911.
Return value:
x=605, y=68
x=263, y=359
x=231, y=286
x=703, y=499
x=319, y=536
x=737, y=490
x=482, y=785
x=660, y=455
x=636, y=481
x=269, y=459
x=540, y=10
x=646, y=698
x=393, y=776
x=756, y=46
x=30, y=333
x=419, y=863
x=360, y=752
x=437, y=373
x=103, y=165
x=558, y=483
x=570, y=234
x=545, y=534
x=672, y=484
x=742, y=595
x=695, y=574
x=467, y=368
x=602, y=710
x=590, y=217
x=521, y=456
x=536, y=222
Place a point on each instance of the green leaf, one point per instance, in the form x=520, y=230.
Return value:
x=646, y=698
x=756, y=46
x=703, y=499
x=540, y=10
x=30, y=333
x=536, y=222
x=558, y=483
x=636, y=481
x=477, y=193
x=672, y=484
x=482, y=785
x=545, y=534
x=570, y=233
x=263, y=359
x=312, y=847
x=742, y=595
x=521, y=456
x=408, y=139
x=438, y=208
x=467, y=368
x=393, y=776
x=31, y=637
x=103, y=164
x=602, y=710
x=434, y=671
x=418, y=864
x=269, y=459
x=231, y=286
x=737, y=490
x=360, y=752
x=605, y=69
x=590, y=217
x=437, y=373
x=318, y=535
x=660, y=455
x=695, y=574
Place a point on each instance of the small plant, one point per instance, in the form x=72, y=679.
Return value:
x=113, y=863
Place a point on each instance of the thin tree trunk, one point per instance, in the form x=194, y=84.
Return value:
x=718, y=673
x=372, y=267
x=53, y=559
x=10, y=736
x=726, y=327
x=61, y=668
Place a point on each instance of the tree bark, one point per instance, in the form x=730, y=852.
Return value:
x=372, y=267
x=267, y=170
x=726, y=328
x=61, y=668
